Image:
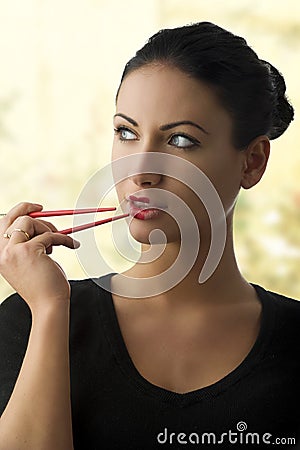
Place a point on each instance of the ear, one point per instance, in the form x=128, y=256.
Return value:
x=256, y=157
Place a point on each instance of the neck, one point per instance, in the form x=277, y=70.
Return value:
x=226, y=284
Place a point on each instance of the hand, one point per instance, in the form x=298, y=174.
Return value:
x=25, y=263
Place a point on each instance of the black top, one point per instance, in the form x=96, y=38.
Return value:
x=115, y=407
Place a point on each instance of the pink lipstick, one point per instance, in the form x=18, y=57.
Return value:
x=141, y=208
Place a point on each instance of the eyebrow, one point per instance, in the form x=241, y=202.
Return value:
x=166, y=127
x=129, y=119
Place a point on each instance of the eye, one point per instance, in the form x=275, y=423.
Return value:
x=125, y=134
x=183, y=141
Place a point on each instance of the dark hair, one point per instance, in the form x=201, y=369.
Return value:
x=251, y=89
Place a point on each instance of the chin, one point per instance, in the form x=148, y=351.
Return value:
x=143, y=232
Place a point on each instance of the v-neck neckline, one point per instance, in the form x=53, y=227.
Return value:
x=119, y=349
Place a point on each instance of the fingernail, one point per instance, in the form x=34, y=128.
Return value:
x=76, y=243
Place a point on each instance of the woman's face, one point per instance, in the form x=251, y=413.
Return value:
x=161, y=109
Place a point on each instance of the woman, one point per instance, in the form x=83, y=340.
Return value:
x=206, y=363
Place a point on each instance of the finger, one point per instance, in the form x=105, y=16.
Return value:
x=48, y=224
x=31, y=226
x=49, y=250
x=18, y=235
x=25, y=228
x=46, y=240
x=50, y=239
x=21, y=209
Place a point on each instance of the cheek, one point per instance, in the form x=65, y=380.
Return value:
x=118, y=173
x=121, y=190
x=190, y=204
x=225, y=176
x=114, y=152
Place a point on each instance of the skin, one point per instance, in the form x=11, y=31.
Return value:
x=220, y=317
x=145, y=96
x=179, y=342
x=35, y=417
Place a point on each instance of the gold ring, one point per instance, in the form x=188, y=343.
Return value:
x=21, y=231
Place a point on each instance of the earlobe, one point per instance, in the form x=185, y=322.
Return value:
x=255, y=161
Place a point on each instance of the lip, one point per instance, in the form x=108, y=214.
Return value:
x=141, y=207
x=133, y=198
x=144, y=214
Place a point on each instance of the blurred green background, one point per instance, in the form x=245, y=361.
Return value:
x=61, y=63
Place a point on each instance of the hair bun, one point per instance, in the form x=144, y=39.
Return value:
x=283, y=112
x=251, y=90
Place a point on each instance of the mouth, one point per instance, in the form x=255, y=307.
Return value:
x=144, y=209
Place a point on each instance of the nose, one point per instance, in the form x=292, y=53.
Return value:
x=145, y=170
x=146, y=179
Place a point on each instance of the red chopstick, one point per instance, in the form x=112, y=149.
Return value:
x=66, y=212
x=92, y=224
x=69, y=212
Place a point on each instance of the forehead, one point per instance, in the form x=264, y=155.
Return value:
x=167, y=93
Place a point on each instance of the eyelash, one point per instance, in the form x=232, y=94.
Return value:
x=194, y=142
x=118, y=131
